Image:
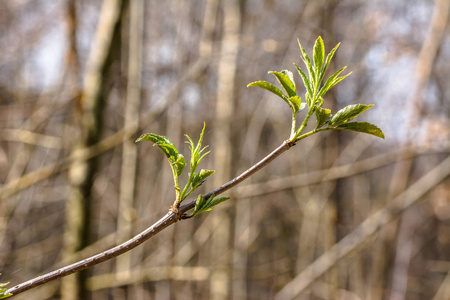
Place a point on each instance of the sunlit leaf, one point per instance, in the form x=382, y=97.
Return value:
x=318, y=55
x=305, y=80
x=296, y=102
x=362, y=127
x=163, y=143
x=348, y=113
x=199, y=203
x=329, y=83
x=290, y=75
x=339, y=79
x=322, y=115
x=200, y=177
x=216, y=201
x=285, y=82
x=327, y=61
x=179, y=164
x=3, y=290
x=270, y=87
x=307, y=62
x=196, y=150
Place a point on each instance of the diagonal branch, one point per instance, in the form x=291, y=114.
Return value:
x=167, y=220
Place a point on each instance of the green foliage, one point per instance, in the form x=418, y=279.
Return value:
x=270, y=87
x=200, y=177
x=285, y=81
x=178, y=162
x=306, y=82
x=348, y=113
x=308, y=64
x=315, y=90
x=318, y=56
x=3, y=290
x=332, y=81
x=362, y=127
x=204, y=205
x=322, y=115
x=196, y=179
x=296, y=103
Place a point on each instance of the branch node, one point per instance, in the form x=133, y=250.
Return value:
x=289, y=143
x=174, y=209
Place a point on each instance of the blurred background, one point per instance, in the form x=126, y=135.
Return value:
x=341, y=215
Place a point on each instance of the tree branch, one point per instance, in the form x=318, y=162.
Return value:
x=169, y=219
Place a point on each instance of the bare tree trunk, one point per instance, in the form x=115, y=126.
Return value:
x=81, y=173
x=127, y=214
x=220, y=276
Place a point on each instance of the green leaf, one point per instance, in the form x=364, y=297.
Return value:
x=201, y=157
x=290, y=75
x=270, y=87
x=199, y=204
x=285, y=82
x=320, y=100
x=163, y=143
x=307, y=62
x=179, y=164
x=3, y=290
x=322, y=115
x=318, y=55
x=296, y=102
x=327, y=61
x=305, y=79
x=308, y=99
x=362, y=127
x=330, y=82
x=348, y=113
x=216, y=201
x=339, y=79
x=200, y=177
x=196, y=151
x=193, y=151
x=203, y=205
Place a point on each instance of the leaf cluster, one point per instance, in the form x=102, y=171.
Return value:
x=315, y=91
x=176, y=160
x=340, y=121
x=196, y=178
x=3, y=290
x=203, y=204
x=177, y=163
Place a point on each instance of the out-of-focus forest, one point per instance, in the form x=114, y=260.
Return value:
x=342, y=215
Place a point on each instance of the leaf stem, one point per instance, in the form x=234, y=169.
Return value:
x=304, y=124
x=186, y=192
x=293, y=126
x=309, y=133
x=177, y=201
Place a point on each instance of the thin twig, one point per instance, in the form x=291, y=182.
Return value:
x=164, y=222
